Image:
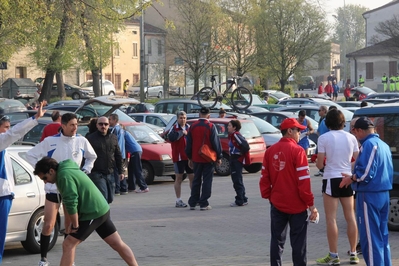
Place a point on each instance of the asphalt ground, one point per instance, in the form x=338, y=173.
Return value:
x=160, y=234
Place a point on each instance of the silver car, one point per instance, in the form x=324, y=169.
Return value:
x=26, y=217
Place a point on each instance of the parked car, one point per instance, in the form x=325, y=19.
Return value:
x=139, y=108
x=360, y=93
x=252, y=135
x=158, y=119
x=306, y=83
x=276, y=118
x=188, y=89
x=11, y=105
x=313, y=112
x=385, y=119
x=73, y=91
x=149, y=91
x=383, y=95
x=276, y=95
x=26, y=217
x=172, y=106
x=108, y=87
x=353, y=103
x=313, y=101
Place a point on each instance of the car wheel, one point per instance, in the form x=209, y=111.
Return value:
x=75, y=96
x=148, y=173
x=160, y=94
x=35, y=226
x=174, y=176
x=224, y=168
x=393, y=219
x=111, y=93
x=253, y=168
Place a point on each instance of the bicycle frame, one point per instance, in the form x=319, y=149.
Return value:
x=216, y=87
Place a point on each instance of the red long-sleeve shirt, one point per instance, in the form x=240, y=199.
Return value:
x=328, y=89
x=285, y=178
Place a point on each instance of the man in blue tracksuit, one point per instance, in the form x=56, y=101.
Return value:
x=372, y=180
x=116, y=128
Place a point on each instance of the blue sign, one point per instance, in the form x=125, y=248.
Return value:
x=3, y=65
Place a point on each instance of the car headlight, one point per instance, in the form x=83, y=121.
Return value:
x=165, y=157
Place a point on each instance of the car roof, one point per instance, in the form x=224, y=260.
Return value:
x=378, y=109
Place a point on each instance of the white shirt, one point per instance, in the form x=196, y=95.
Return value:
x=338, y=147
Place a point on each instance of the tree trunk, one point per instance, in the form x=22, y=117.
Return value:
x=60, y=85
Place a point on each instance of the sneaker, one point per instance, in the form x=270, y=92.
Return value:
x=236, y=205
x=43, y=263
x=180, y=204
x=206, y=208
x=328, y=260
x=142, y=191
x=319, y=174
x=353, y=259
x=117, y=194
x=192, y=208
x=358, y=248
x=124, y=192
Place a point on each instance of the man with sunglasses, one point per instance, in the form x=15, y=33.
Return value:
x=106, y=146
x=285, y=182
x=8, y=136
x=62, y=146
x=86, y=207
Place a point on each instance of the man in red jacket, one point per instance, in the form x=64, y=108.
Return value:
x=177, y=137
x=202, y=132
x=285, y=181
x=328, y=89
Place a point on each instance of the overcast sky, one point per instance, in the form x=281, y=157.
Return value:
x=332, y=5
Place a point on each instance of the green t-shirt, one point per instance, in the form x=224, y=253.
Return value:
x=79, y=194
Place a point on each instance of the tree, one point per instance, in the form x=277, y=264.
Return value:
x=389, y=31
x=289, y=34
x=349, y=30
x=237, y=37
x=192, y=38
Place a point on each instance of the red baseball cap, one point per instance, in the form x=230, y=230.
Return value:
x=291, y=123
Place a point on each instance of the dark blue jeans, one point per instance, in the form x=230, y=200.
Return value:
x=105, y=183
x=203, y=176
x=120, y=186
x=236, y=177
x=298, y=234
x=135, y=172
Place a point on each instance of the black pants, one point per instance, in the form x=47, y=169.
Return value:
x=298, y=234
x=236, y=177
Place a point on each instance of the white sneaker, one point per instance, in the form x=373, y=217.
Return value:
x=43, y=263
x=142, y=191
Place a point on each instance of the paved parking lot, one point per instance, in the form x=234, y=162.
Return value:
x=161, y=234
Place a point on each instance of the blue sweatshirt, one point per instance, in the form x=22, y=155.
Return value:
x=373, y=167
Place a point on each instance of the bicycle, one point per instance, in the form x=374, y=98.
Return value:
x=240, y=98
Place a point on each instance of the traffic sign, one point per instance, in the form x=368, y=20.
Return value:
x=3, y=65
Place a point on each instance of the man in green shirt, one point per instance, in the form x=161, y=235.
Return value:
x=361, y=81
x=384, y=81
x=397, y=82
x=86, y=207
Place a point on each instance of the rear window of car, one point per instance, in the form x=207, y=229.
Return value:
x=249, y=130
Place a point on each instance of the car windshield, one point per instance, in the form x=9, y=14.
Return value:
x=263, y=126
x=279, y=94
x=249, y=130
x=87, y=84
x=143, y=134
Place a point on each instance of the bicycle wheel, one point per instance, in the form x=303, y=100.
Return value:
x=206, y=95
x=241, y=98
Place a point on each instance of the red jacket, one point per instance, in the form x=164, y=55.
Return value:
x=320, y=91
x=285, y=178
x=328, y=89
x=202, y=130
x=347, y=92
x=50, y=130
x=178, y=143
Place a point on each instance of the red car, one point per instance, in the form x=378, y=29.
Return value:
x=157, y=153
x=360, y=93
x=253, y=136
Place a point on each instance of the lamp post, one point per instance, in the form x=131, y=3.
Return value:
x=142, y=56
x=204, y=46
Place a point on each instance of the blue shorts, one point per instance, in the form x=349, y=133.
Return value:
x=182, y=166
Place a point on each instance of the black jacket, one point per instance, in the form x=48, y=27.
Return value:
x=108, y=152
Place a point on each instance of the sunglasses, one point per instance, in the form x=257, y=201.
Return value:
x=103, y=124
x=5, y=118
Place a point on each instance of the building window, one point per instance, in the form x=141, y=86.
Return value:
x=159, y=47
x=392, y=68
x=369, y=71
x=135, y=78
x=117, y=83
x=107, y=76
x=116, y=49
x=149, y=48
x=135, y=51
x=20, y=72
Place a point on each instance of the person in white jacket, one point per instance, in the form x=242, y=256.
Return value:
x=62, y=146
x=7, y=137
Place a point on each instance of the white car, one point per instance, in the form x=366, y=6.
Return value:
x=151, y=91
x=108, y=87
x=26, y=217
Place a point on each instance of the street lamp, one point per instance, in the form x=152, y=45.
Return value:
x=204, y=46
